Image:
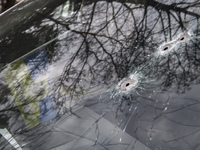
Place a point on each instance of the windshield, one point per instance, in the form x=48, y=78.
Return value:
x=101, y=75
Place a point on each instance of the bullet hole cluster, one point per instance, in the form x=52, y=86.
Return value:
x=181, y=38
x=168, y=47
x=133, y=81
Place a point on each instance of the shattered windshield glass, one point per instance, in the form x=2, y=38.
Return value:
x=100, y=75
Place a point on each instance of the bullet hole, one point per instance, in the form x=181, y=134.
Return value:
x=127, y=84
x=165, y=48
x=183, y=37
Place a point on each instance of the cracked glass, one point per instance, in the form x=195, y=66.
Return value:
x=100, y=75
